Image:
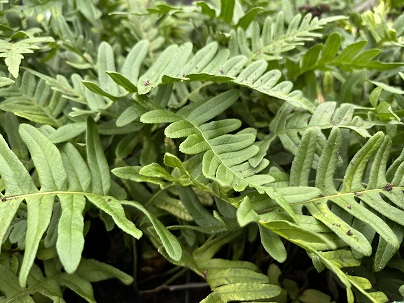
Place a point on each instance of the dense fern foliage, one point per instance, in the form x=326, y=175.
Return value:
x=251, y=142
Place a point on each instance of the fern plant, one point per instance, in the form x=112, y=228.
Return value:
x=241, y=140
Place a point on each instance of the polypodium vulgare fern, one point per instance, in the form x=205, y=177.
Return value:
x=67, y=179
x=354, y=56
x=226, y=157
x=362, y=204
x=270, y=41
x=35, y=101
x=177, y=64
x=238, y=129
x=350, y=212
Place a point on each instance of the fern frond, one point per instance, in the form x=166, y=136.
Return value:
x=176, y=64
x=382, y=32
x=336, y=261
x=34, y=100
x=289, y=125
x=272, y=40
x=229, y=279
x=353, y=202
x=352, y=57
x=226, y=158
x=65, y=178
x=349, y=213
x=53, y=281
x=13, y=51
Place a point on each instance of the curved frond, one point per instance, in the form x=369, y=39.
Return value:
x=363, y=196
x=68, y=181
x=34, y=100
x=272, y=40
x=176, y=64
x=352, y=57
x=289, y=125
x=226, y=157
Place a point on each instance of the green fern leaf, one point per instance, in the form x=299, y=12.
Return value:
x=225, y=277
x=46, y=157
x=77, y=284
x=52, y=283
x=39, y=216
x=225, y=160
x=377, y=148
x=70, y=241
x=242, y=291
x=64, y=174
x=335, y=261
x=176, y=64
x=217, y=277
x=274, y=40
x=10, y=125
x=381, y=31
x=113, y=208
x=13, y=51
x=53, y=177
x=385, y=251
x=169, y=241
x=323, y=57
x=34, y=101
x=245, y=213
x=78, y=173
x=273, y=244
x=94, y=271
x=294, y=233
x=101, y=180
x=195, y=208
x=10, y=288
x=106, y=63
x=17, y=181
x=173, y=205
x=289, y=124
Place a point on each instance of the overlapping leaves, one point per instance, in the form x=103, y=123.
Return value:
x=270, y=41
x=177, y=64
x=34, y=100
x=67, y=179
x=53, y=280
x=289, y=124
x=353, y=200
x=226, y=157
x=364, y=203
x=328, y=56
x=13, y=51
